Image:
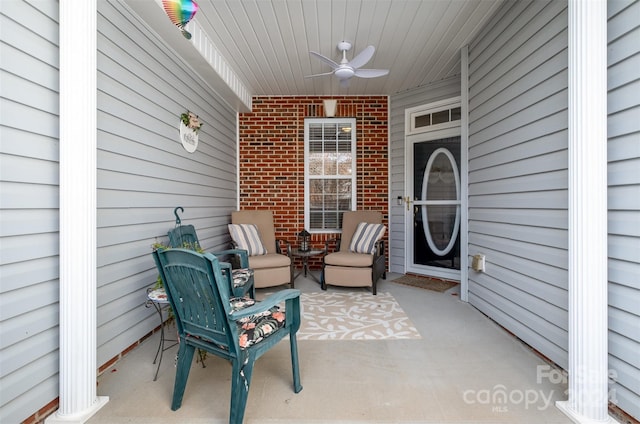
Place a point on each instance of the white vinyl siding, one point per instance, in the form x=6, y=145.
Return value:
x=623, y=154
x=29, y=207
x=518, y=181
x=441, y=90
x=143, y=173
x=518, y=172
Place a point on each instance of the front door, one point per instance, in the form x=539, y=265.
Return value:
x=434, y=207
x=433, y=190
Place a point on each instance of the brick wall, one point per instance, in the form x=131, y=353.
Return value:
x=272, y=157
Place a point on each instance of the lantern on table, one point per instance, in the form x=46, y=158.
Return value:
x=304, y=241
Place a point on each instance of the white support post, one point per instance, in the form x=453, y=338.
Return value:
x=78, y=142
x=464, y=174
x=588, y=376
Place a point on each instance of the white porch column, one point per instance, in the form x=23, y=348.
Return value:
x=464, y=173
x=588, y=393
x=78, y=84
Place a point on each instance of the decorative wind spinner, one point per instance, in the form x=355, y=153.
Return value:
x=180, y=12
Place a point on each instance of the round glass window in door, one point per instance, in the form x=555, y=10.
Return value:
x=437, y=206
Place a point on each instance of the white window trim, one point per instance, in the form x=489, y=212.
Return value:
x=354, y=179
x=438, y=106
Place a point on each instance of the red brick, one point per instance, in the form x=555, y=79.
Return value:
x=271, y=152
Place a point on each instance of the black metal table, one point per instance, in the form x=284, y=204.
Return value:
x=158, y=299
x=304, y=256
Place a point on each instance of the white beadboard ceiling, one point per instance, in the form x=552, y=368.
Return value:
x=266, y=44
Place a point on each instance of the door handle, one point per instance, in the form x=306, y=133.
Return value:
x=407, y=200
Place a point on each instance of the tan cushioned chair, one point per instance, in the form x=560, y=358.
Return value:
x=275, y=268
x=346, y=268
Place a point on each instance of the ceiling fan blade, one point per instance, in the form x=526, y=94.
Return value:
x=325, y=59
x=371, y=73
x=319, y=75
x=362, y=58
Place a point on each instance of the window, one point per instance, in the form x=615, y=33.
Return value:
x=436, y=116
x=329, y=172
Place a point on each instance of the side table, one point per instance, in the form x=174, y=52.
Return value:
x=158, y=299
x=305, y=255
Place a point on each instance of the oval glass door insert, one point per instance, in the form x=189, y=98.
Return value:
x=441, y=191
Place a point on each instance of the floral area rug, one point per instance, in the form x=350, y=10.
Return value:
x=353, y=316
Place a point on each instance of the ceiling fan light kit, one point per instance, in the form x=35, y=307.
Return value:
x=344, y=72
x=346, y=69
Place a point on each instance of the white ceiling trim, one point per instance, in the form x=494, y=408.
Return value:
x=199, y=53
x=214, y=58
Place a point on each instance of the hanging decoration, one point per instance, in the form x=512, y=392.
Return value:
x=189, y=126
x=180, y=12
x=191, y=120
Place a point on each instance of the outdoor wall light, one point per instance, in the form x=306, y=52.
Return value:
x=330, y=108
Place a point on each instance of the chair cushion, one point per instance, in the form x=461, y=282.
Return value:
x=240, y=303
x=349, y=259
x=255, y=328
x=270, y=260
x=247, y=237
x=365, y=237
x=241, y=276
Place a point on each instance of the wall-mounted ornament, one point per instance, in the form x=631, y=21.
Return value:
x=189, y=126
x=180, y=12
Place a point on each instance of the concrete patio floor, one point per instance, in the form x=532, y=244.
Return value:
x=464, y=369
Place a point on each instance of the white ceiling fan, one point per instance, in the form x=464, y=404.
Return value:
x=347, y=69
